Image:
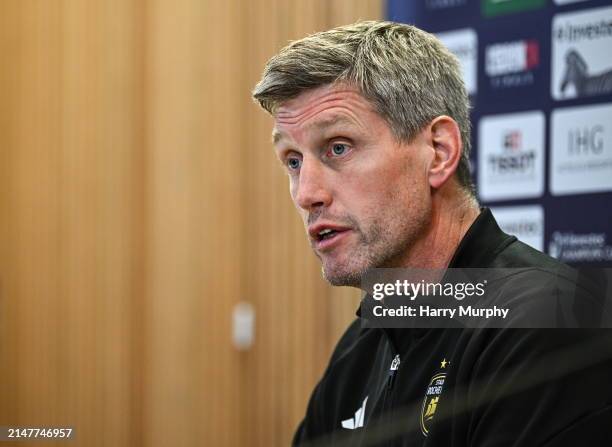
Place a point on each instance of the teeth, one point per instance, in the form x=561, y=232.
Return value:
x=324, y=232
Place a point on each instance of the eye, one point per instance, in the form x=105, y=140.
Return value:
x=293, y=163
x=338, y=149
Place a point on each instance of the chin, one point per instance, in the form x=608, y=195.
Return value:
x=338, y=276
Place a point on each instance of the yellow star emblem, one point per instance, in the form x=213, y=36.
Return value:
x=443, y=363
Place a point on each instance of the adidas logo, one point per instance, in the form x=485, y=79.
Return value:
x=357, y=421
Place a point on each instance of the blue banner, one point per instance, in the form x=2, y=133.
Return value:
x=539, y=74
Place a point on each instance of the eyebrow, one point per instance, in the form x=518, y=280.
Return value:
x=319, y=125
x=276, y=135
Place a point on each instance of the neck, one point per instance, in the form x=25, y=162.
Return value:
x=452, y=215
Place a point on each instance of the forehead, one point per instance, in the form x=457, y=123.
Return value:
x=322, y=107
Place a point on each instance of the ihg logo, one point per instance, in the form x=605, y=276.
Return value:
x=586, y=140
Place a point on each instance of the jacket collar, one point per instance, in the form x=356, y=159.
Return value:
x=483, y=241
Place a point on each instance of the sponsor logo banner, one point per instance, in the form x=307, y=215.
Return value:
x=578, y=248
x=524, y=222
x=463, y=43
x=581, y=150
x=511, y=156
x=581, y=56
x=444, y=4
x=511, y=64
x=492, y=8
x=565, y=2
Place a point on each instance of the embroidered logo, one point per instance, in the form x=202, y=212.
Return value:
x=358, y=420
x=432, y=397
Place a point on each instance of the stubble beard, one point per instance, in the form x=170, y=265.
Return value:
x=382, y=246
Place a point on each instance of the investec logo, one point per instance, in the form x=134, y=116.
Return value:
x=511, y=64
x=574, y=33
x=511, y=156
x=581, y=57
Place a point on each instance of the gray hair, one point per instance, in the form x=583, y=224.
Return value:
x=408, y=75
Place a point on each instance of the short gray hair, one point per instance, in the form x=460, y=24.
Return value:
x=406, y=73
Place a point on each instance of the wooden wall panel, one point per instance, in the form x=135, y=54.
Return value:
x=98, y=202
x=299, y=316
x=68, y=211
x=139, y=202
x=30, y=292
x=171, y=403
x=194, y=223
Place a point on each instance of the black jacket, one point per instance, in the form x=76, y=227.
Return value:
x=460, y=387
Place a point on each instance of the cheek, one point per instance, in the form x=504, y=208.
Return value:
x=388, y=180
x=367, y=198
x=388, y=191
x=292, y=188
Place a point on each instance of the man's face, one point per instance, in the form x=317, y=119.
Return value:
x=364, y=197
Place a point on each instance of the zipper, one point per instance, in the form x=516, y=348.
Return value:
x=387, y=399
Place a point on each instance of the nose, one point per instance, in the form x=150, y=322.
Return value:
x=312, y=188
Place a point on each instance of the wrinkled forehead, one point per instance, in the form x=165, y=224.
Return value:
x=314, y=95
x=321, y=108
x=319, y=125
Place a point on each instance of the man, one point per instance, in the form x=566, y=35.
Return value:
x=372, y=126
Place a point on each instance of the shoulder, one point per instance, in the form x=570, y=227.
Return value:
x=352, y=336
x=543, y=292
x=533, y=385
x=517, y=254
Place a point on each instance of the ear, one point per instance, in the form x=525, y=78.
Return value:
x=445, y=138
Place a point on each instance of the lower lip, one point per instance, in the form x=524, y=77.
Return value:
x=326, y=244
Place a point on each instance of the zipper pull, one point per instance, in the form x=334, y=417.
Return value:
x=393, y=369
x=394, y=364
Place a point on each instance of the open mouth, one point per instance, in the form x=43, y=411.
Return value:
x=328, y=238
x=328, y=233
